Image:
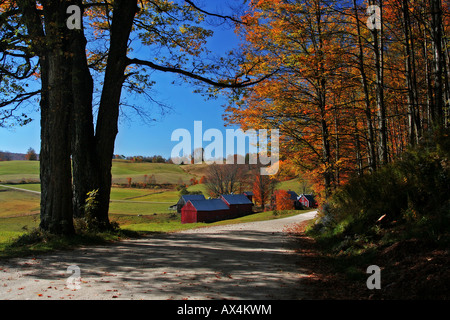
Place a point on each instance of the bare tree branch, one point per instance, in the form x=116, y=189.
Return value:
x=19, y=98
x=193, y=5
x=219, y=83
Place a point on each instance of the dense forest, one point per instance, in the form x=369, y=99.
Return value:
x=356, y=83
x=361, y=94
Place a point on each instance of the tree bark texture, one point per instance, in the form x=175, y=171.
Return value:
x=106, y=129
x=85, y=175
x=56, y=107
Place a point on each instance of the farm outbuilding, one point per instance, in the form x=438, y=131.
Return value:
x=293, y=195
x=185, y=198
x=294, y=198
x=307, y=200
x=228, y=206
x=204, y=211
x=239, y=204
x=249, y=195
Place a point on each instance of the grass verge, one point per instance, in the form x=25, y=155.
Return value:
x=20, y=236
x=397, y=218
x=411, y=268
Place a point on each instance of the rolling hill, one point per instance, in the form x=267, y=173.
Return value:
x=26, y=171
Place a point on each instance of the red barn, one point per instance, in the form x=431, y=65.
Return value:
x=307, y=200
x=185, y=198
x=204, y=211
x=239, y=204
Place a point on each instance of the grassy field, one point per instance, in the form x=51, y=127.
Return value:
x=26, y=171
x=17, y=203
x=142, y=210
x=163, y=172
x=12, y=228
x=15, y=226
x=18, y=171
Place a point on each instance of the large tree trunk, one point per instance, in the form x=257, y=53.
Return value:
x=56, y=107
x=85, y=176
x=321, y=97
x=379, y=84
x=436, y=38
x=326, y=144
x=430, y=102
x=372, y=156
x=106, y=130
x=413, y=127
x=326, y=153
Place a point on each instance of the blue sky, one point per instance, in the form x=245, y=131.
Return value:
x=136, y=137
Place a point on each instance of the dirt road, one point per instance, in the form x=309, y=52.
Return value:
x=243, y=261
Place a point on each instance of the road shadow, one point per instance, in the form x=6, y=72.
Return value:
x=233, y=264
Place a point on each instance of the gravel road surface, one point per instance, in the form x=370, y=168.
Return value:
x=242, y=261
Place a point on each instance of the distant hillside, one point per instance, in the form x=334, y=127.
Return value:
x=7, y=156
x=17, y=171
x=11, y=156
x=145, y=171
x=197, y=170
x=20, y=171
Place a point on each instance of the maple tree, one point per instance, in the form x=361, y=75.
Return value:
x=283, y=200
x=263, y=188
x=31, y=155
x=347, y=97
x=305, y=47
x=225, y=179
x=71, y=67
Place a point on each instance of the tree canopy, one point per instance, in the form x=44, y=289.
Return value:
x=350, y=89
x=78, y=75
x=350, y=95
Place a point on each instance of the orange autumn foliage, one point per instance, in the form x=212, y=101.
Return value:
x=283, y=200
x=263, y=187
x=316, y=97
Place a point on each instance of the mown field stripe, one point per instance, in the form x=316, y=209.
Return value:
x=19, y=189
x=126, y=201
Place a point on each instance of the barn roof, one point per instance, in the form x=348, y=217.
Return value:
x=310, y=197
x=188, y=197
x=209, y=205
x=236, y=199
x=293, y=195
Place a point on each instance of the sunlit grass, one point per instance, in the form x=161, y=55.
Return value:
x=15, y=203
